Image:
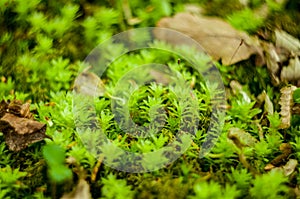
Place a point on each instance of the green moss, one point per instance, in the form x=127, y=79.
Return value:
x=42, y=47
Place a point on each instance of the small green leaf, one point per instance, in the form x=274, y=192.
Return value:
x=54, y=155
x=296, y=95
x=60, y=173
x=55, y=158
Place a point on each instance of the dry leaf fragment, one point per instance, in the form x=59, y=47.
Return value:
x=238, y=88
x=286, y=102
x=20, y=132
x=287, y=50
x=268, y=104
x=296, y=109
x=16, y=107
x=272, y=61
x=287, y=169
x=241, y=138
x=286, y=150
x=3, y=107
x=219, y=39
x=292, y=71
x=18, y=126
x=287, y=41
x=88, y=83
x=81, y=191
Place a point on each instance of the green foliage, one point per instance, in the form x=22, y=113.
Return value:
x=246, y=20
x=5, y=157
x=9, y=182
x=114, y=188
x=221, y=8
x=5, y=87
x=274, y=181
x=9, y=176
x=275, y=5
x=214, y=190
x=296, y=96
x=296, y=145
x=241, y=178
x=243, y=110
x=42, y=48
x=55, y=158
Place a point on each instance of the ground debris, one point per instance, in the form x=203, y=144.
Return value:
x=219, y=39
x=81, y=191
x=286, y=150
x=18, y=125
x=283, y=58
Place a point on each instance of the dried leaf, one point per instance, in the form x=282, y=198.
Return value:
x=15, y=107
x=287, y=169
x=286, y=150
x=241, y=138
x=286, y=102
x=268, y=104
x=3, y=107
x=292, y=71
x=287, y=41
x=286, y=47
x=81, y=191
x=272, y=61
x=237, y=88
x=216, y=36
x=20, y=132
x=88, y=83
x=18, y=126
x=296, y=109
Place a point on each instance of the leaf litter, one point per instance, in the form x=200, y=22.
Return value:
x=219, y=39
x=18, y=125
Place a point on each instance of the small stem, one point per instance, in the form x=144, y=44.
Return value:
x=115, y=98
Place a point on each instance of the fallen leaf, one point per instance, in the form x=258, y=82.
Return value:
x=268, y=104
x=272, y=61
x=241, y=138
x=18, y=126
x=286, y=150
x=88, y=83
x=81, y=191
x=238, y=89
x=296, y=109
x=292, y=71
x=15, y=107
x=287, y=41
x=287, y=169
x=219, y=39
